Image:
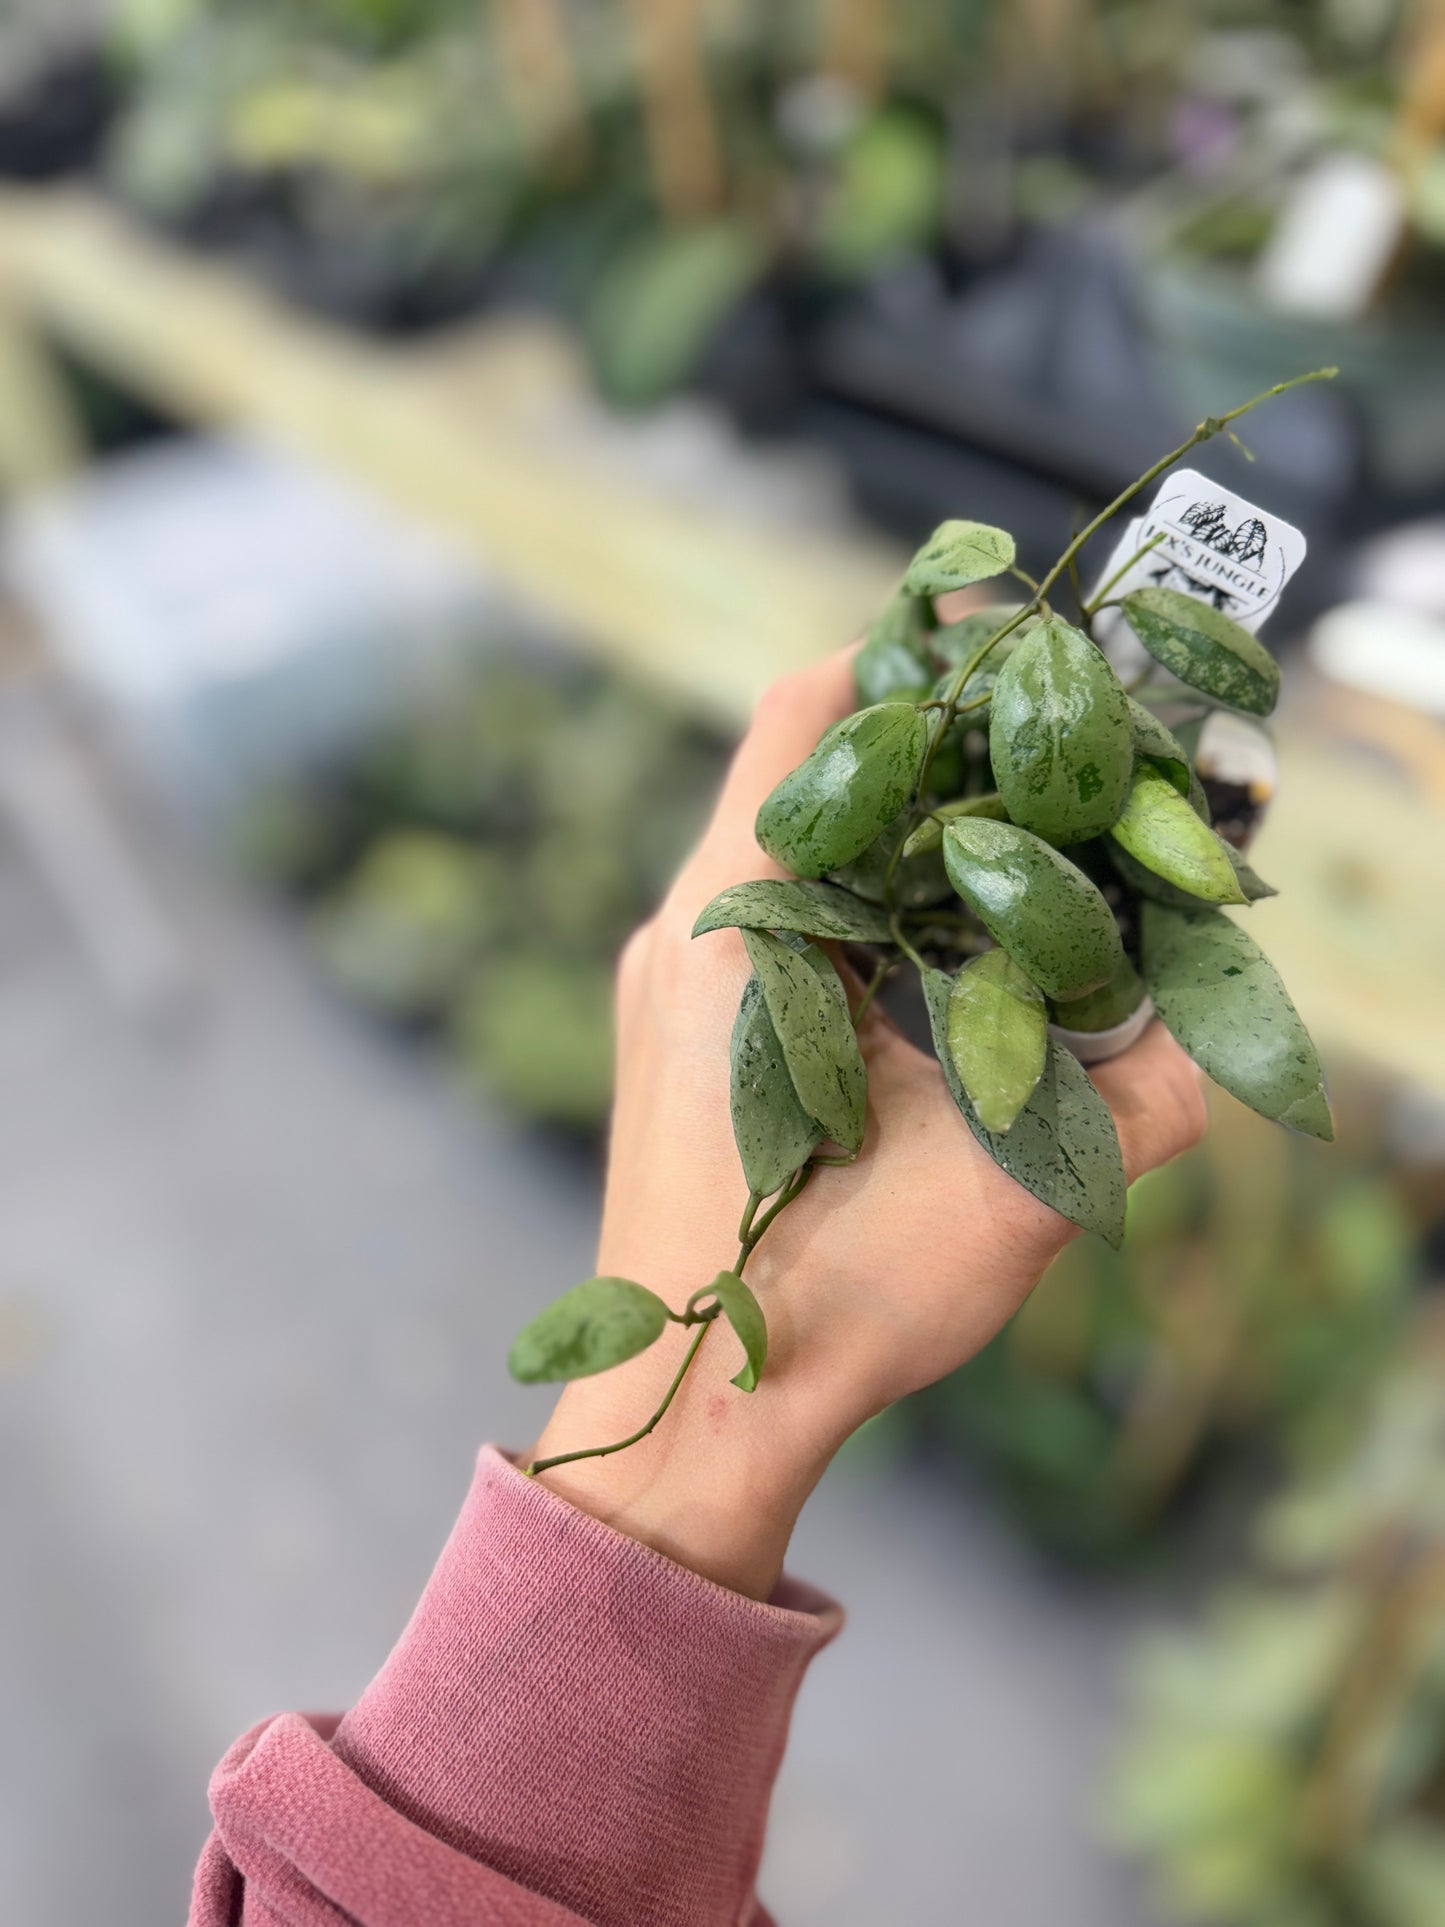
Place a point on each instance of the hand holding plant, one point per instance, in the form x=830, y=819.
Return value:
x=990, y=869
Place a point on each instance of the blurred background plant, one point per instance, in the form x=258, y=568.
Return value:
x=1288, y=1759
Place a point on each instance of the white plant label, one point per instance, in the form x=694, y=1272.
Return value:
x=1208, y=542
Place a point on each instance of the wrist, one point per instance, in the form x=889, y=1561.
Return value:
x=719, y=1484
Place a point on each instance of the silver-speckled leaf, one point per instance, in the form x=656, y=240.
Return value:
x=835, y=803
x=918, y=881
x=1159, y=829
x=809, y=1011
x=1159, y=745
x=1202, y=647
x=998, y=1036
x=772, y=1131
x=1222, y=999
x=1059, y=737
x=894, y=660
x=1033, y=902
x=957, y=554
x=1063, y=1146
x=815, y=909
x=588, y=1329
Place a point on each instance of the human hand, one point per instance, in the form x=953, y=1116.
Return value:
x=880, y=1278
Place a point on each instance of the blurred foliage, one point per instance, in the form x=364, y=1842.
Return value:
x=1288, y=1763
x=1262, y=1286
x=475, y=873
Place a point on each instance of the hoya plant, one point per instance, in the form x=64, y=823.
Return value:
x=1026, y=835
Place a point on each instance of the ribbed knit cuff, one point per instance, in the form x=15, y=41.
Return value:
x=595, y=1722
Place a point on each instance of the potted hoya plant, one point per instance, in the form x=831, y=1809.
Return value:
x=1005, y=821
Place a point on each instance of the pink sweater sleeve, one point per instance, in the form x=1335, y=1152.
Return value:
x=571, y=1728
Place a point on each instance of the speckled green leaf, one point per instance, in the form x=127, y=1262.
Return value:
x=1222, y=999
x=929, y=834
x=589, y=1329
x=1202, y=647
x=835, y=803
x=917, y=880
x=1159, y=746
x=1159, y=830
x=1101, y=1009
x=956, y=554
x=955, y=643
x=743, y=1312
x=1148, y=884
x=894, y=659
x=1063, y=1146
x=816, y=909
x=809, y=1011
x=1037, y=905
x=772, y=1131
x=998, y=1036
x=1059, y=737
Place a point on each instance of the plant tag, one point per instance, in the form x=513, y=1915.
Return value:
x=1210, y=543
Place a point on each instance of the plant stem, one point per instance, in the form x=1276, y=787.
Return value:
x=635, y=1438
x=1093, y=606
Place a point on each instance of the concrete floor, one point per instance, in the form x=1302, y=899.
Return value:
x=258, y=1272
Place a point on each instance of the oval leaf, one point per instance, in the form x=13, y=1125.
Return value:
x=1059, y=736
x=589, y=1329
x=1203, y=648
x=929, y=834
x=743, y=1312
x=1159, y=830
x=955, y=643
x=998, y=1036
x=1110, y=1004
x=894, y=660
x=815, y=909
x=1044, y=911
x=835, y=803
x=1159, y=746
x=1146, y=883
x=773, y=1133
x=1223, y=1001
x=956, y=554
x=1063, y=1146
x=809, y=1011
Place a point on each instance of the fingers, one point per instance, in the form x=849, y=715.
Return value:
x=786, y=725
x=1157, y=1096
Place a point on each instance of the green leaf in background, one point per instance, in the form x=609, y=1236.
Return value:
x=1033, y=902
x=1157, y=745
x=929, y=834
x=1105, y=1007
x=834, y=804
x=1203, y=648
x=886, y=199
x=957, y=554
x=1063, y=1146
x=589, y=1329
x=1147, y=884
x=894, y=661
x=998, y=1036
x=1059, y=736
x=773, y=1133
x=663, y=299
x=809, y=1011
x=1158, y=829
x=953, y=643
x=743, y=1312
x=918, y=880
x=815, y=909
x=1221, y=998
